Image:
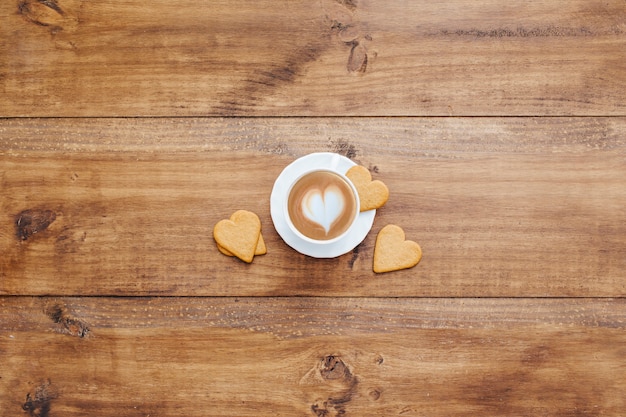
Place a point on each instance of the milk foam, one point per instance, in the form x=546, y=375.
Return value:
x=323, y=207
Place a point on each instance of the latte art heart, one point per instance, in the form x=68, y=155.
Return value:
x=322, y=205
x=323, y=208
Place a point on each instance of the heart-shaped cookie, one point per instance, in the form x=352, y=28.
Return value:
x=372, y=194
x=392, y=252
x=261, y=249
x=239, y=235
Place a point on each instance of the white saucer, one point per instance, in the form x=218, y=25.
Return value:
x=333, y=162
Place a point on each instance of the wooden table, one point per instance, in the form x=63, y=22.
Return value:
x=129, y=129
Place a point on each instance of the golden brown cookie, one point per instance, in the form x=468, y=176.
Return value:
x=372, y=194
x=261, y=249
x=392, y=252
x=239, y=235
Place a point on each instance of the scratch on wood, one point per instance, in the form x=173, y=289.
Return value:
x=38, y=404
x=33, y=221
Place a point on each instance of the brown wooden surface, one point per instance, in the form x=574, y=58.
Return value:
x=501, y=207
x=114, y=300
x=329, y=57
x=312, y=356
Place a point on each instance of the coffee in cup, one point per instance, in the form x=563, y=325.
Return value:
x=321, y=206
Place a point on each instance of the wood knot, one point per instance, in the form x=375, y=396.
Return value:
x=70, y=325
x=32, y=221
x=38, y=403
x=344, y=148
x=49, y=13
x=341, y=14
x=357, y=60
x=374, y=394
x=335, y=384
x=333, y=368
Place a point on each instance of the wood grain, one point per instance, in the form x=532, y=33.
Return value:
x=311, y=356
x=322, y=57
x=115, y=301
x=508, y=207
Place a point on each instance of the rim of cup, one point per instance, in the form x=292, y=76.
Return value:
x=302, y=236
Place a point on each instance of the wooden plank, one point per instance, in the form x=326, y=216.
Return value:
x=324, y=57
x=311, y=356
x=501, y=206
